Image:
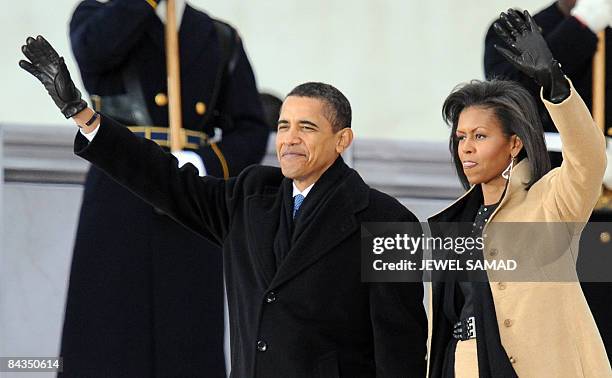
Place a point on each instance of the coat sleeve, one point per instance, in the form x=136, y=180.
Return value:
x=103, y=34
x=244, y=143
x=203, y=204
x=576, y=185
x=399, y=325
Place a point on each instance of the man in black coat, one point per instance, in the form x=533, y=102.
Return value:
x=290, y=236
x=145, y=296
x=570, y=28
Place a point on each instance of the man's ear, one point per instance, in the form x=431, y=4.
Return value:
x=345, y=139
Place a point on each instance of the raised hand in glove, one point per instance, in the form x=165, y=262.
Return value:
x=48, y=67
x=528, y=52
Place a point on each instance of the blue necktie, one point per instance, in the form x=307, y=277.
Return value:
x=297, y=202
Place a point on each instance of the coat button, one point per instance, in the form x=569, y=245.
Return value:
x=200, y=108
x=604, y=237
x=161, y=99
x=508, y=323
x=270, y=297
x=493, y=252
x=501, y=286
x=262, y=346
x=512, y=360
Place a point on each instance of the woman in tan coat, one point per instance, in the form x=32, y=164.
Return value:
x=505, y=326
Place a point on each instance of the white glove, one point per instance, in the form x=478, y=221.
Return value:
x=185, y=157
x=179, y=9
x=596, y=14
x=607, y=180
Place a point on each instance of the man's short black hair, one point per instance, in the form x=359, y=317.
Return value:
x=337, y=107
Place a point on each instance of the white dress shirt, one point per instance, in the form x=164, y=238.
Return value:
x=296, y=191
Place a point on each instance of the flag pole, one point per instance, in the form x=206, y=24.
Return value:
x=175, y=120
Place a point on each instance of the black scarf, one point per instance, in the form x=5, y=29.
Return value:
x=493, y=361
x=290, y=229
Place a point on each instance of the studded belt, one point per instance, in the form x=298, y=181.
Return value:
x=465, y=329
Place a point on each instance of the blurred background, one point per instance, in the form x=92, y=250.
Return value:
x=395, y=60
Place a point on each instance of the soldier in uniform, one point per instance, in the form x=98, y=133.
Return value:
x=145, y=296
x=570, y=28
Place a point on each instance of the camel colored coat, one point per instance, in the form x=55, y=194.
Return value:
x=546, y=327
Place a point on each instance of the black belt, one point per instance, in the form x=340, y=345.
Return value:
x=465, y=329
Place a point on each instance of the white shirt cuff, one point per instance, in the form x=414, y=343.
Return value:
x=90, y=135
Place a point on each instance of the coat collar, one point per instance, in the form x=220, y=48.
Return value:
x=330, y=222
x=348, y=196
x=519, y=177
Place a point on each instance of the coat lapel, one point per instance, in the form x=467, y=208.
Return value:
x=264, y=210
x=333, y=223
x=459, y=211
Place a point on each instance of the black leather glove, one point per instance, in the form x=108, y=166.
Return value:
x=48, y=67
x=529, y=53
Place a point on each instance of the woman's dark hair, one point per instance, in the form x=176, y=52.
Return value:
x=516, y=110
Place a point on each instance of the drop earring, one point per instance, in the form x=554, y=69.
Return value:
x=506, y=172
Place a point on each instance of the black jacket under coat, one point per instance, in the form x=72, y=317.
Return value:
x=145, y=297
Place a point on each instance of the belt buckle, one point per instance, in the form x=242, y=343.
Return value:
x=471, y=327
